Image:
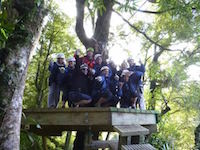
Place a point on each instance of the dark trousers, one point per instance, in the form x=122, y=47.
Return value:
x=125, y=102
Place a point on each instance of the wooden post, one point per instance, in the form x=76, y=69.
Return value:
x=142, y=139
x=88, y=139
x=129, y=140
x=122, y=141
x=44, y=143
x=67, y=140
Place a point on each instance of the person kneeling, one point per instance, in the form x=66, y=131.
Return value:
x=101, y=92
x=79, y=94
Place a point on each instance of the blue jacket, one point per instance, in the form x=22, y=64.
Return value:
x=135, y=80
x=126, y=91
x=105, y=83
x=56, y=75
x=140, y=68
x=115, y=88
x=101, y=86
x=97, y=69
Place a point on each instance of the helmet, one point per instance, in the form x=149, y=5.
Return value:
x=96, y=56
x=71, y=59
x=104, y=68
x=84, y=66
x=90, y=49
x=60, y=55
x=130, y=59
x=125, y=72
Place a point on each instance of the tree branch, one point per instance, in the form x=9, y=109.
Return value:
x=144, y=34
x=103, y=25
x=80, y=31
x=145, y=11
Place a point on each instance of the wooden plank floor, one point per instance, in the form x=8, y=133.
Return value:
x=90, y=109
x=73, y=119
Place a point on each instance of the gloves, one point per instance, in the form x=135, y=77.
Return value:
x=62, y=69
x=116, y=77
x=99, y=79
x=92, y=71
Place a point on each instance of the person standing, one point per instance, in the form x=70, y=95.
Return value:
x=139, y=70
x=123, y=66
x=133, y=67
x=57, y=74
x=129, y=92
x=70, y=72
x=89, y=58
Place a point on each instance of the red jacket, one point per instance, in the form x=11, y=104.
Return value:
x=90, y=63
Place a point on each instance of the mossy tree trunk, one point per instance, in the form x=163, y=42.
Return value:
x=99, y=39
x=14, y=61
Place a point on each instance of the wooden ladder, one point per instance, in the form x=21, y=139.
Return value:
x=130, y=134
x=138, y=147
x=129, y=139
x=111, y=144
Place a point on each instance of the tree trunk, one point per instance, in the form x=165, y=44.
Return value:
x=99, y=39
x=153, y=82
x=14, y=60
x=197, y=137
x=102, y=28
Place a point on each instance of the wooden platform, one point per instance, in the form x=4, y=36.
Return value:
x=54, y=121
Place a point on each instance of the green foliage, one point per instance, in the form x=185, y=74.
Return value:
x=30, y=141
x=96, y=5
x=182, y=19
x=8, y=19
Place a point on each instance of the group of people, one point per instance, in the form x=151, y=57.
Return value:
x=90, y=82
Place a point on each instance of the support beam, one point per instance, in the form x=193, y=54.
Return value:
x=67, y=140
x=44, y=143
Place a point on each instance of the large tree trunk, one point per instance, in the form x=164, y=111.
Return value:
x=102, y=27
x=14, y=60
x=197, y=137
